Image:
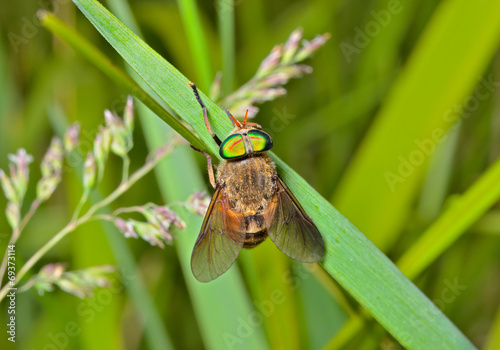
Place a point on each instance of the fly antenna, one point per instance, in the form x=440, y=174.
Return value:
x=236, y=122
x=245, y=120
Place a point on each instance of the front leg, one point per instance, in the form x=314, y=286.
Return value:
x=205, y=115
x=210, y=167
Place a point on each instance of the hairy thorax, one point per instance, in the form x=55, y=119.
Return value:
x=249, y=183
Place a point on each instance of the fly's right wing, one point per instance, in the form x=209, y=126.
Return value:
x=291, y=229
x=220, y=241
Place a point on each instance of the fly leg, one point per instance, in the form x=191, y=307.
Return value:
x=205, y=115
x=231, y=118
x=211, y=175
x=254, y=125
x=210, y=167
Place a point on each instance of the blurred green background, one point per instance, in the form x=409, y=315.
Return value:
x=378, y=85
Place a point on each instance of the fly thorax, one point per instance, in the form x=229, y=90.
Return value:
x=249, y=183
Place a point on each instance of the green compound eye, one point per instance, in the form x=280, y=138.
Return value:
x=232, y=147
x=261, y=141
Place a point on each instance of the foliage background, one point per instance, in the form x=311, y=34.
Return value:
x=44, y=85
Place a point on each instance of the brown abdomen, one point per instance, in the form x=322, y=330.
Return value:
x=256, y=231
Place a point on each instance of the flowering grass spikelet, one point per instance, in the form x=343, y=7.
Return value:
x=150, y=233
x=53, y=160
x=276, y=70
x=121, y=139
x=291, y=45
x=198, y=203
x=167, y=217
x=8, y=188
x=270, y=61
x=309, y=47
x=80, y=283
x=102, y=143
x=72, y=137
x=89, y=172
x=19, y=172
x=51, y=168
x=128, y=115
x=125, y=227
x=13, y=214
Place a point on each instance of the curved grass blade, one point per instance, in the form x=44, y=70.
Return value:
x=454, y=222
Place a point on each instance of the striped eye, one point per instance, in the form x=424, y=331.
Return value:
x=232, y=147
x=261, y=141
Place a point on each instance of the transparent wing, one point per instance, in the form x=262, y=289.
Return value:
x=291, y=229
x=220, y=240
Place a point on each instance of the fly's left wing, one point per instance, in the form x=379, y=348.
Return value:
x=291, y=229
x=220, y=240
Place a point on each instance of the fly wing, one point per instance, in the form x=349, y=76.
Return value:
x=291, y=229
x=220, y=240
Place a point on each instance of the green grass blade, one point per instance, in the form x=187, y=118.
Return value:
x=348, y=331
x=225, y=11
x=463, y=212
x=350, y=257
x=493, y=341
x=454, y=50
x=489, y=224
x=437, y=179
x=196, y=41
x=162, y=20
x=323, y=315
x=122, y=10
